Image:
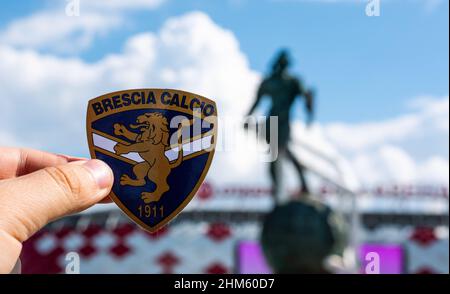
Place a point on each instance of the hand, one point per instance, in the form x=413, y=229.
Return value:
x=38, y=187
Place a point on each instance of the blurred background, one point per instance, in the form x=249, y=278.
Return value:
x=377, y=152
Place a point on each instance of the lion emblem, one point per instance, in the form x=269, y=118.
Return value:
x=151, y=144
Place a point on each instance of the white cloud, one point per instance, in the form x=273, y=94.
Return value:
x=395, y=150
x=434, y=170
x=435, y=110
x=364, y=135
x=66, y=29
x=56, y=31
x=396, y=164
x=393, y=165
x=429, y=114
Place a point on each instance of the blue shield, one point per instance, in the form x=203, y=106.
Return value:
x=159, y=144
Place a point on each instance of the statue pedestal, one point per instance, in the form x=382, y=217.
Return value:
x=299, y=235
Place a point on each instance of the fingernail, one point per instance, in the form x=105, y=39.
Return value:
x=101, y=171
x=69, y=158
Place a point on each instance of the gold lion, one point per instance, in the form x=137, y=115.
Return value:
x=151, y=145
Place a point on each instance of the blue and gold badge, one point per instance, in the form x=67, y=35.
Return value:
x=159, y=144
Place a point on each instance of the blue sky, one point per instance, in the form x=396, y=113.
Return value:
x=364, y=68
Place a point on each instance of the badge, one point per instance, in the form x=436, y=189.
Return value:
x=159, y=144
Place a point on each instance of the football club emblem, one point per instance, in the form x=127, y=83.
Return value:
x=159, y=144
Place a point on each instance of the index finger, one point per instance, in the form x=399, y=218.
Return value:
x=15, y=162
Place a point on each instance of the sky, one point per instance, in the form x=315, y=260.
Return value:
x=381, y=81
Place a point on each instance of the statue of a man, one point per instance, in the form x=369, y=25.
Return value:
x=283, y=89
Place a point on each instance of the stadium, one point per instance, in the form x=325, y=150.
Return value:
x=219, y=232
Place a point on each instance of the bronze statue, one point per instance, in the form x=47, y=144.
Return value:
x=283, y=89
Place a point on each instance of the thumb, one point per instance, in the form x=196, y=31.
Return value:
x=29, y=202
